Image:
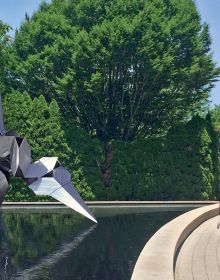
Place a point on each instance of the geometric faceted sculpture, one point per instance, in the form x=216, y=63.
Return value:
x=44, y=177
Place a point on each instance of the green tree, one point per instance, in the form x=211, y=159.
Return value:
x=182, y=165
x=41, y=124
x=121, y=69
x=214, y=135
x=215, y=114
x=192, y=171
x=41, y=52
x=4, y=56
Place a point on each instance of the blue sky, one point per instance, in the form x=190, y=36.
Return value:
x=13, y=12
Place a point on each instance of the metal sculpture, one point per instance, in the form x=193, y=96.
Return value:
x=44, y=177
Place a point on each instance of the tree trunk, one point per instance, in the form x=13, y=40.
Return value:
x=106, y=171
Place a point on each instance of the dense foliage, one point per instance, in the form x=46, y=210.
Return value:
x=120, y=69
x=41, y=124
x=182, y=165
x=4, y=56
x=215, y=113
x=109, y=86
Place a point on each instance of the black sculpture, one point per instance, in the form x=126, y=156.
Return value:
x=44, y=177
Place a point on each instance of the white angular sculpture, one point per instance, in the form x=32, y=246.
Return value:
x=44, y=177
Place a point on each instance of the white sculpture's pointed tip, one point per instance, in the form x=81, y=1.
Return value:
x=93, y=219
x=66, y=194
x=85, y=211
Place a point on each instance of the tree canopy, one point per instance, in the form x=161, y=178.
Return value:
x=120, y=69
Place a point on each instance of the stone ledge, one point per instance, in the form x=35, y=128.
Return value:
x=157, y=259
x=159, y=202
x=115, y=203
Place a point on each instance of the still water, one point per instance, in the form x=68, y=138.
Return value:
x=58, y=244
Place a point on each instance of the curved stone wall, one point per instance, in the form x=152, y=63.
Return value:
x=157, y=259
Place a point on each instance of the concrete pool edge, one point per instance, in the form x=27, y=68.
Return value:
x=108, y=203
x=157, y=259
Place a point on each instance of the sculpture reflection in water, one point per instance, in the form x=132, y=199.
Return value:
x=27, y=252
x=44, y=177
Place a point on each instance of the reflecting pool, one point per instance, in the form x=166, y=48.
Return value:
x=58, y=244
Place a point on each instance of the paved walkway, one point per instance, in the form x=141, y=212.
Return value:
x=199, y=257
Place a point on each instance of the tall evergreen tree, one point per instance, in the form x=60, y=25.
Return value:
x=182, y=165
x=41, y=124
x=4, y=56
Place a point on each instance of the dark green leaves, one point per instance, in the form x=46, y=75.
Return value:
x=5, y=41
x=119, y=69
x=41, y=124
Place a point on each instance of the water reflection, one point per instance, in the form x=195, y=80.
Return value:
x=5, y=269
x=59, y=245
x=53, y=259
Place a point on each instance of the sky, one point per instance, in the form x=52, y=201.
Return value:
x=13, y=13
